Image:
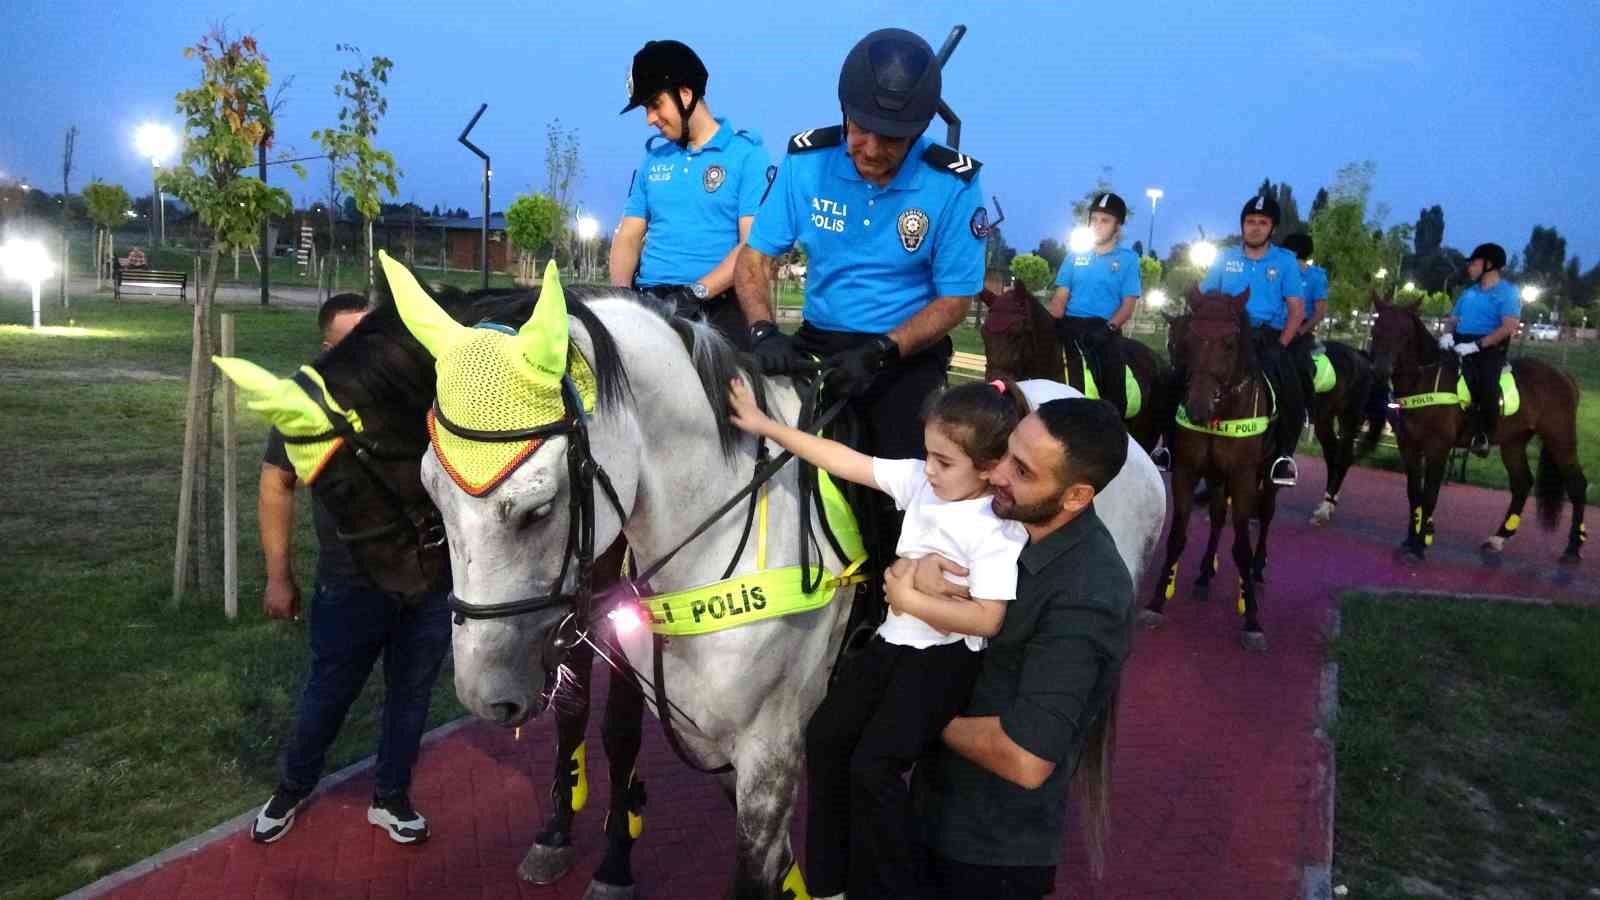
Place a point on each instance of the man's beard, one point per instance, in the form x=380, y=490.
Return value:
x=1031, y=513
x=1257, y=245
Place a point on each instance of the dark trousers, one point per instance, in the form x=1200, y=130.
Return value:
x=952, y=880
x=1482, y=373
x=886, y=421
x=351, y=628
x=884, y=709
x=721, y=310
x=1102, y=351
x=1286, y=368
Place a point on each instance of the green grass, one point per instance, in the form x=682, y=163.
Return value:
x=1470, y=767
x=131, y=725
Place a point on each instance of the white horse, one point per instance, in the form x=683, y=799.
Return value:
x=738, y=697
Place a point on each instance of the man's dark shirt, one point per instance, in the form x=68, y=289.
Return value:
x=335, y=565
x=1047, y=675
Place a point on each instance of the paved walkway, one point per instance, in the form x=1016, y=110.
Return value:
x=1220, y=781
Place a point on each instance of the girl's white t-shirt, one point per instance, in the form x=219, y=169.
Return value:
x=966, y=532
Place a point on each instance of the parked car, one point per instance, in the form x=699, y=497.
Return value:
x=1544, y=332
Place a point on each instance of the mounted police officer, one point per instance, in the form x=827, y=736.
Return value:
x=1313, y=278
x=895, y=229
x=692, y=199
x=1486, y=316
x=1275, y=311
x=1095, y=294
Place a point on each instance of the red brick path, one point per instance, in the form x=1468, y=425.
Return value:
x=1218, y=778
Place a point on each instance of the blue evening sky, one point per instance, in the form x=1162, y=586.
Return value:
x=1489, y=109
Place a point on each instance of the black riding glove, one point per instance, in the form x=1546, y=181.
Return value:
x=855, y=369
x=775, y=352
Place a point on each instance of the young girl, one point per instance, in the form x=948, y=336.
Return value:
x=888, y=704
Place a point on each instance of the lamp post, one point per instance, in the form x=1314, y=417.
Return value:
x=588, y=230
x=156, y=143
x=1203, y=254
x=27, y=261
x=1155, y=194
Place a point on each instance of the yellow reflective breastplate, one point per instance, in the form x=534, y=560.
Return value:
x=1234, y=428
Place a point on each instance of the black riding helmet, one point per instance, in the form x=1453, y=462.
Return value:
x=1261, y=205
x=666, y=66
x=1299, y=244
x=889, y=83
x=1493, y=256
x=1110, y=203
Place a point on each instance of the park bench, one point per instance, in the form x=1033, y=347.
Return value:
x=153, y=281
x=968, y=365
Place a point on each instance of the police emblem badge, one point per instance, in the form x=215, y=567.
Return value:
x=913, y=227
x=1272, y=272
x=713, y=178
x=979, y=223
x=1115, y=265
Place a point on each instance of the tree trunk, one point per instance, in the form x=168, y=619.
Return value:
x=371, y=259
x=192, y=558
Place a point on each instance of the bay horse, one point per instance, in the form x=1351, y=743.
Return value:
x=1433, y=422
x=1020, y=343
x=370, y=480
x=602, y=433
x=1223, y=428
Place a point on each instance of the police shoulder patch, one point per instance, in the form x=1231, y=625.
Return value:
x=953, y=162
x=817, y=138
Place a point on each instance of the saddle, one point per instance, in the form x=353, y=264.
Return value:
x=1091, y=387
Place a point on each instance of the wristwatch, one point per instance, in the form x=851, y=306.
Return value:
x=699, y=291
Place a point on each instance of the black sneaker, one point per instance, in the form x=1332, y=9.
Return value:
x=1284, y=473
x=398, y=819
x=277, y=817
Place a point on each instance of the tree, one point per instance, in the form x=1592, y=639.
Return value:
x=563, y=169
x=226, y=117
x=1052, y=251
x=1437, y=304
x=107, y=205
x=66, y=192
x=1345, y=247
x=1102, y=184
x=533, y=222
x=1544, y=259
x=999, y=253
x=1320, y=203
x=360, y=168
x=1150, y=272
x=1289, y=221
x=1429, y=231
x=1031, y=271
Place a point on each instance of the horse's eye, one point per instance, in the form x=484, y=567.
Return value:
x=534, y=515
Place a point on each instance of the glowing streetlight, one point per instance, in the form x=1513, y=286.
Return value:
x=156, y=143
x=1081, y=240
x=1530, y=293
x=1381, y=274
x=588, y=230
x=1155, y=194
x=1203, y=254
x=27, y=261
x=1156, y=299
x=1411, y=285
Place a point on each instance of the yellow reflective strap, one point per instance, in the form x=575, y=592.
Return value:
x=1513, y=522
x=743, y=599
x=580, y=785
x=1229, y=428
x=1432, y=398
x=795, y=884
x=840, y=518
x=635, y=819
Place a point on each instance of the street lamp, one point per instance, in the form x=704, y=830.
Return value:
x=1411, y=285
x=1381, y=274
x=1530, y=293
x=1203, y=254
x=26, y=261
x=156, y=143
x=1081, y=240
x=588, y=230
x=1155, y=194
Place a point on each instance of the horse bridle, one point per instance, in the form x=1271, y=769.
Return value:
x=583, y=472
x=422, y=519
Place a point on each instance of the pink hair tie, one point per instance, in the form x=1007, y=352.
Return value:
x=998, y=385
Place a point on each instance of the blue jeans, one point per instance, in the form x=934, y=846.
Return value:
x=350, y=629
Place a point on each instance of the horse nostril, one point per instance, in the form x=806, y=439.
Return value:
x=506, y=713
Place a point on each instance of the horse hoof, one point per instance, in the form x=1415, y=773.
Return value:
x=1494, y=544
x=547, y=865
x=1152, y=620
x=1571, y=558
x=1254, y=641
x=599, y=890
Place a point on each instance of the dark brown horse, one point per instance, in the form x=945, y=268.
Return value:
x=1222, y=438
x=1019, y=342
x=1337, y=417
x=1407, y=354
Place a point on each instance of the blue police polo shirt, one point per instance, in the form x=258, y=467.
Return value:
x=1273, y=277
x=691, y=201
x=1098, y=282
x=877, y=256
x=1315, y=281
x=1478, y=311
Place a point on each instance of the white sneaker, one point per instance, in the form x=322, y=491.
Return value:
x=398, y=819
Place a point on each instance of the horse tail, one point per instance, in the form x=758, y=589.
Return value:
x=1548, y=488
x=1094, y=782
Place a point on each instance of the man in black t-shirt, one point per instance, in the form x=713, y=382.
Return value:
x=353, y=623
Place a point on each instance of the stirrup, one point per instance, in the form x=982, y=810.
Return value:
x=1162, y=457
x=1479, y=444
x=1283, y=472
